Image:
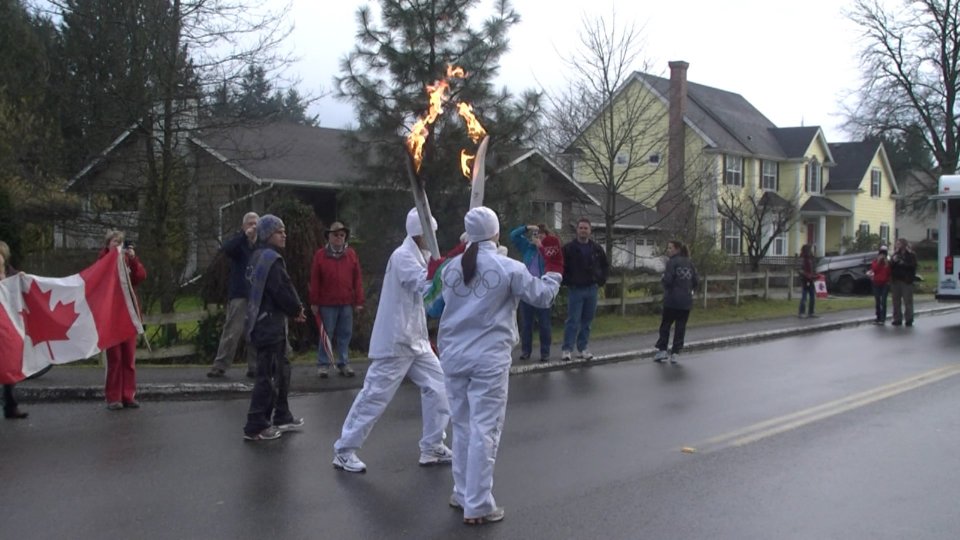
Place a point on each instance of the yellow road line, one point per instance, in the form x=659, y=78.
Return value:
x=780, y=424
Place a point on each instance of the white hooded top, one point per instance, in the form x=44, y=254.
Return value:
x=478, y=327
x=400, y=328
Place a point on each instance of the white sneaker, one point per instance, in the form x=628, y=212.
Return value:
x=349, y=462
x=565, y=357
x=438, y=455
x=292, y=425
x=585, y=355
x=660, y=357
x=675, y=358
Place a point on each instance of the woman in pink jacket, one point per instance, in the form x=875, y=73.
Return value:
x=121, y=383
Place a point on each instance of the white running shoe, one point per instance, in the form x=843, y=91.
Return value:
x=565, y=356
x=292, y=425
x=585, y=355
x=675, y=358
x=438, y=455
x=660, y=357
x=349, y=462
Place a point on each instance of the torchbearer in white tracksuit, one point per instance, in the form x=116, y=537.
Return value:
x=478, y=329
x=399, y=346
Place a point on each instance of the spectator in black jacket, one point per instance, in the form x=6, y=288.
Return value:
x=679, y=282
x=272, y=299
x=238, y=249
x=585, y=269
x=903, y=269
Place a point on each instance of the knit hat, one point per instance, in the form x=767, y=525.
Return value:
x=268, y=225
x=481, y=224
x=414, y=227
x=883, y=249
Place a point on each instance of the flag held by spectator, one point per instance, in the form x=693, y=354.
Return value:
x=47, y=321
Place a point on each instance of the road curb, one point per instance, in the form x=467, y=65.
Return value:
x=186, y=391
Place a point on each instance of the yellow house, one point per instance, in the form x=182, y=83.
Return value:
x=714, y=142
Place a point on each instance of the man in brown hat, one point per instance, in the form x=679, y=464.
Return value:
x=336, y=290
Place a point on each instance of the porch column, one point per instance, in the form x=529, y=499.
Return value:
x=843, y=234
x=822, y=235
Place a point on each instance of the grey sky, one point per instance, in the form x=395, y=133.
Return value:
x=794, y=61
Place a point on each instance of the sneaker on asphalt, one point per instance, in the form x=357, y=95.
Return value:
x=675, y=358
x=216, y=373
x=565, y=356
x=801, y=316
x=585, y=355
x=438, y=455
x=296, y=423
x=454, y=503
x=115, y=406
x=268, y=434
x=345, y=371
x=132, y=404
x=349, y=462
x=525, y=356
x=660, y=357
x=813, y=316
x=492, y=517
x=545, y=358
x=909, y=323
x=323, y=372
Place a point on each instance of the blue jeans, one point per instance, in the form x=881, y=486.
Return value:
x=807, y=290
x=880, y=299
x=527, y=315
x=582, y=303
x=338, y=322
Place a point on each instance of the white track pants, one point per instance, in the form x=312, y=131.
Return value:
x=380, y=384
x=478, y=404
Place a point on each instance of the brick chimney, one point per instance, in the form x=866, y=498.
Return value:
x=674, y=201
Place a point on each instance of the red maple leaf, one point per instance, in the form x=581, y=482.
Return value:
x=42, y=323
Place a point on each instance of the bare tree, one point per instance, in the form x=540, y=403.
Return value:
x=760, y=216
x=910, y=72
x=609, y=126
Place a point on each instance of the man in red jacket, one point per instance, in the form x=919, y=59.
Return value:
x=336, y=290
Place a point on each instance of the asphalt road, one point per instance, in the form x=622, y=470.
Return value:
x=846, y=434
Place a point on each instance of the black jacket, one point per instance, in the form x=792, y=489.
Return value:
x=580, y=271
x=903, y=266
x=238, y=249
x=679, y=282
x=280, y=300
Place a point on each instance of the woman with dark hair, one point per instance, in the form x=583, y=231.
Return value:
x=880, y=279
x=478, y=330
x=121, y=383
x=679, y=282
x=808, y=274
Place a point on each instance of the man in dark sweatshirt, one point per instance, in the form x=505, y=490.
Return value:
x=272, y=299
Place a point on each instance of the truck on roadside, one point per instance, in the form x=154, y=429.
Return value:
x=948, y=237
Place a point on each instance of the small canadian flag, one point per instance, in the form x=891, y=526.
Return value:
x=47, y=321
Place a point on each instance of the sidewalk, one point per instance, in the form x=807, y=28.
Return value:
x=72, y=382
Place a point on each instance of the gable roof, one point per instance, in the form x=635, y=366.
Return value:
x=729, y=122
x=795, y=140
x=642, y=218
x=283, y=153
x=853, y=162
x=552, y=167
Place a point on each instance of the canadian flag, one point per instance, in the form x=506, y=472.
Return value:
x=58, y=320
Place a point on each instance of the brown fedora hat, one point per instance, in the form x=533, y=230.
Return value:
x=335, y=227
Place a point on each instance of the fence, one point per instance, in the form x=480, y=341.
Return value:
x=174, y=351
x=735, y=289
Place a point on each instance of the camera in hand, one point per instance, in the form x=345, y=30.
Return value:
x=127, y=245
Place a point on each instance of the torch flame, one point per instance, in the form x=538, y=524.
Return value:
x=466, y=163
x=474, y=130
x=421, y=128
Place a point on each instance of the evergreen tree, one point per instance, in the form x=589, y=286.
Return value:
x=410, y=44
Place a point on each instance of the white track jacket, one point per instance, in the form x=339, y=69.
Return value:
x=400, y=328
x=478, y=327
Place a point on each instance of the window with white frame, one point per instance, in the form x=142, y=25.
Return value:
x=733, y=171
x=814, y=176
x=875, y=182
x=557, y=216
x=885, y=233
x=622, y=159
x=864, y=228
x=778, y=247
x=768, y=175
x=731, y=238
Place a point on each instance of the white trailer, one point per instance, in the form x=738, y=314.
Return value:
x=948, y=242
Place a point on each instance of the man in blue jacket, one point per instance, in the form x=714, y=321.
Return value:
x=530, y=255
x=238, y=249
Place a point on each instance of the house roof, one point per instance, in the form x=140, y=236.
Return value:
x=641, y=218
x=730, y=122
x=283, y=153
x=853, y=162
x=553, y=168
x=795, y=140
x=817, y=205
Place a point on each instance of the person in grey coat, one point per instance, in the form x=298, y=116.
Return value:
x=679, y=282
